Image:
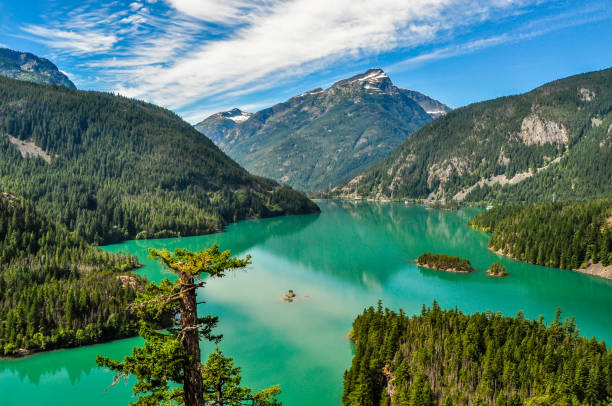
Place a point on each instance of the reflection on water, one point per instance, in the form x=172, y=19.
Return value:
x=337, y=262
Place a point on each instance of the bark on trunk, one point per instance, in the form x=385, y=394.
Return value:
x=192, y=386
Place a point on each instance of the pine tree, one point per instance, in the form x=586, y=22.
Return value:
x=221, y=382
x=172, y=358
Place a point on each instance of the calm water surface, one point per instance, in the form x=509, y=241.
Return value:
x=337, y=262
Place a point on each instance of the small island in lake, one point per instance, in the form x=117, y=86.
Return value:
x=289, y=296
x=446, y=263
x=497, y=270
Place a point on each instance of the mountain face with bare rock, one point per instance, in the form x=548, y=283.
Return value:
x=31, y=68
x=552, y=143
x=324, y=137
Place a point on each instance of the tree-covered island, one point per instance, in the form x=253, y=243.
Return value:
x=497, y=270
x=446, y=263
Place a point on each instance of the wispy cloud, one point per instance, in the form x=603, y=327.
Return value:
x=71, y=41
x=178, y=53
x=227, y=11
x=529, y=30
x=285, y=39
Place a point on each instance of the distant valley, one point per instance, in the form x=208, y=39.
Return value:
x=322, y=138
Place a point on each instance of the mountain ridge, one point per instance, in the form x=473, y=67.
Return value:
x=31, y=68
x=324, y=136
x=550, y=143
x=123, y=169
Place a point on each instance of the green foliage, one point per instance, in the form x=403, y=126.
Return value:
x=481, y=141
x=322, y=138
x=123, y=169
x=222, y=384
x=55, y=290
x=450, y=358
x=559, y=235
x=166, y=363
x=444, y=262
x=210, y=261
x=497, y=269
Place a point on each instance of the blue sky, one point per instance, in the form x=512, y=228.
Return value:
x=198, y=57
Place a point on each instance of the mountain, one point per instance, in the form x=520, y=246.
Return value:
x=552, y=143
x=31, y=68
x=55, y=290
x=322, y=138
x=112, y=168
x=217, y=126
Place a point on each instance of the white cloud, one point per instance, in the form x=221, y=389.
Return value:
x=74, y=41
x=178, y=53
x=529, y=30
x=226, y=11
x=135, y=6
x=295, y=37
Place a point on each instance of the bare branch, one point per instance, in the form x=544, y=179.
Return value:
x=117, y=378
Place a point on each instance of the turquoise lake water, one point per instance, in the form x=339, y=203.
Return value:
x=337, y=262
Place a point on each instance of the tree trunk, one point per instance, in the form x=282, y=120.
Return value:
x=193, y=388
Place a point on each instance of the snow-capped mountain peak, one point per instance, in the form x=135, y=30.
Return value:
x=373, y=75
x=236, y=115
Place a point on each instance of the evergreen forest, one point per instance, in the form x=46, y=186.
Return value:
x=55, y=290
x=446, y=357
x=119, y=169
x=558, y=235
x=443, y=262
x=557, y=138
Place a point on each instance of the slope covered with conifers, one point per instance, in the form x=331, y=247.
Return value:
x=446, y=357
x=55, y=290
x=111, y=168
x=560, y=235
x=322, y=138
x=554, y=142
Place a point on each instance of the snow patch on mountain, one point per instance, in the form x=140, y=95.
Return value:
x=374, y=76
x=241, y=118
x=314, y=91
x=236, y=115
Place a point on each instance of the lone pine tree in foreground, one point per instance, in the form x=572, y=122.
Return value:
x=168, y=367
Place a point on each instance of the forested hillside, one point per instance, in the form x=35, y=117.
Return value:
x=31, y=68
x=446, y=357
x=55, y=290
x=112, y=168
x=559, y=235
x=553, y=143
x=322, y=138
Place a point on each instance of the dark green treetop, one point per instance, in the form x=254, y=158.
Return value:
x=168, y=367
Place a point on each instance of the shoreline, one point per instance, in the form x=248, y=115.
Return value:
x=424, y=202
x=35, y=353
x=596, y=270
x=451, y=270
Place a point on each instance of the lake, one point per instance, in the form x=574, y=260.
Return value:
x=338, y=262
